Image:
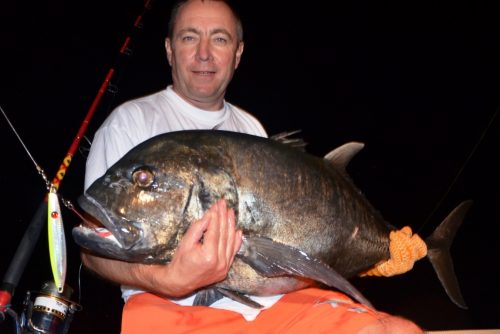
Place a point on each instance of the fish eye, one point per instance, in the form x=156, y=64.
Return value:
x=143, y=177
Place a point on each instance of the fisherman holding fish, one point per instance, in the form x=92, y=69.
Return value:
x=204, y=47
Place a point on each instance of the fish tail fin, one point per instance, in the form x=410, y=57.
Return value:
x=439, y=243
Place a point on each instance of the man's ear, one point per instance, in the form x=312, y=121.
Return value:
x=168, y=48
x=239, y=52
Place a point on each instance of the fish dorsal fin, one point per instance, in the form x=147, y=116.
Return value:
x=285, y=138
x=342, y=155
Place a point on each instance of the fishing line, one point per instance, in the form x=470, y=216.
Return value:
x=57, y=243
x=84, y=150
x=80, y=283
x=57, y=238
x=49, y=185
x=32, y=232
x=462, y=168
x=37, y=166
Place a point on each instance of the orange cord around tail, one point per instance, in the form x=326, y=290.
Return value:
x=405, y=249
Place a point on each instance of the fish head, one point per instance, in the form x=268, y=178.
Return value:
x=144, y=203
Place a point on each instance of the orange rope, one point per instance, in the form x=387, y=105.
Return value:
x=405, y=249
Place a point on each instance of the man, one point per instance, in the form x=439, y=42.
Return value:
x=204, y=47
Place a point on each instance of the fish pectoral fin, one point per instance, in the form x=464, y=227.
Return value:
x=271, y=259
x=239, y=297
x=207, y=297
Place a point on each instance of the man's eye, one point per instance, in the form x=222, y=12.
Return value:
x=187, y=38
x=221, y=40
x=143, y=177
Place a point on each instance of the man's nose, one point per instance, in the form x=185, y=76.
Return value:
x=204, y=52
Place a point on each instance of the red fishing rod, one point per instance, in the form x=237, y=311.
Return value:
x=32, y=233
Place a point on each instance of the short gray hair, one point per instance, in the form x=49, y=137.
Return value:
x=180, y=3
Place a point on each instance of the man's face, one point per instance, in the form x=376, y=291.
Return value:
x=204, y=52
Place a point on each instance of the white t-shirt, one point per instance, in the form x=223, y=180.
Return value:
x=140, y=119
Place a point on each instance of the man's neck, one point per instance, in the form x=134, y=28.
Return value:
x=212, y=105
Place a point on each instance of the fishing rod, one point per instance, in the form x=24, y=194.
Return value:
x=52, y=299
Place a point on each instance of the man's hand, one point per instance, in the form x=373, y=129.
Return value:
x=203, y=257
x=206, y=251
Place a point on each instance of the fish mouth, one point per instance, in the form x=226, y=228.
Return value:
x=115, y=231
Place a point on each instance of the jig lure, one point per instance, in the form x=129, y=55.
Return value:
x=57, y=240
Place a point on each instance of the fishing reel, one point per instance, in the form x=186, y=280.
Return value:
x=50, y=313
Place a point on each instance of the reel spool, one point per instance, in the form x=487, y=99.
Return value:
x=51, y=312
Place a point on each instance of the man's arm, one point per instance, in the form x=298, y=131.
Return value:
x=194, y=264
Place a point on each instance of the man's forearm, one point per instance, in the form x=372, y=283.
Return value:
x=136, y=275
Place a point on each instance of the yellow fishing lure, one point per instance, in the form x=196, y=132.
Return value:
x=57, y=240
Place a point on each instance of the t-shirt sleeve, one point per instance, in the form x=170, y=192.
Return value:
x=109, y=145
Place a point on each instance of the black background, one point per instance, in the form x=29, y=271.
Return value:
x=417, y=83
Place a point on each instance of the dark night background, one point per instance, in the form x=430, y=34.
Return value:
x=417, y=82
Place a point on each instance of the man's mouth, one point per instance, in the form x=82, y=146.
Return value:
x=204, y=73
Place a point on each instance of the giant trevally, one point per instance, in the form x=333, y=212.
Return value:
x=303, y=219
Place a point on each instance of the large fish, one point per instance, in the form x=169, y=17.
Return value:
x=303, y=219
